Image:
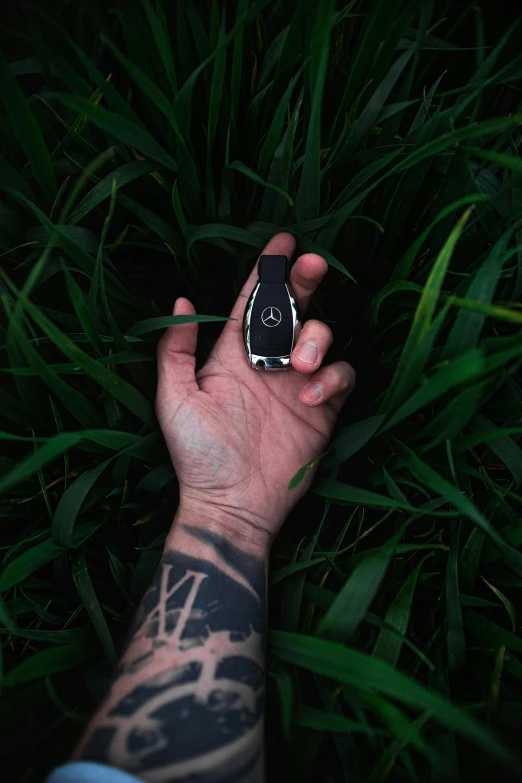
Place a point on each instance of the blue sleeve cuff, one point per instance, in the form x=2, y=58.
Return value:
x=90, y=772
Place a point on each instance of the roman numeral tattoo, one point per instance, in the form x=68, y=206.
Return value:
x=187, y=701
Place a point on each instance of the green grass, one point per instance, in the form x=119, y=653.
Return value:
x=149, y=150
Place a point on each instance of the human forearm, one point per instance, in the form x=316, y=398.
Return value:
x=187, y=701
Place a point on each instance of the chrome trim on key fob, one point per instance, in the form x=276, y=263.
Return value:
x=271, y=323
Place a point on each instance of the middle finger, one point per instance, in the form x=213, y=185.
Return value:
x=311, y=347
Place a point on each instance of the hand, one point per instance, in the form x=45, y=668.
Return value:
x=236, y=435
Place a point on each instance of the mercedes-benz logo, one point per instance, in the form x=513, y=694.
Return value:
x=271, y=316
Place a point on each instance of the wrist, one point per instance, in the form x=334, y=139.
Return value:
x=239, y=527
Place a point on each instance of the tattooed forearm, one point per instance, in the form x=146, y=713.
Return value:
x=187, y=701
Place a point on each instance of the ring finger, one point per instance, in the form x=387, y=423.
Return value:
x=334, y=382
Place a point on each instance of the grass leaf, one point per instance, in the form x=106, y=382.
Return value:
x=238, y=166
x=308, y=196
x=431, y=478
x=388, y=645
x=46, y=662
x=164, y=321
x=412, y=360
x=27, y=130
x=120, y=128
x=28, y=562
x=353, y=667
x=120, y=389
x=85, y=589
x=353, y=601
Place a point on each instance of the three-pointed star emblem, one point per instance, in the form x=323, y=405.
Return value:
x=271, y=316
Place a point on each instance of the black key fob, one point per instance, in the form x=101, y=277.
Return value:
x=271, y=323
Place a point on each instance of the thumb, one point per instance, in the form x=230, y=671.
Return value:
x=176, y=349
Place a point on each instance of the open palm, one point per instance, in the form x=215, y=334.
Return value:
x=236, y=435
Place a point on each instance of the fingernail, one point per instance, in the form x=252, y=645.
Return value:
x=312, y=392
x=308, y=352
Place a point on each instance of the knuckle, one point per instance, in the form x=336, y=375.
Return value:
x=161, y=347
x=345, y=375
x=311, y=256
x=320, y=330
x=297, y=278
x=328, y=334
x=311, y=325
x=307, y=262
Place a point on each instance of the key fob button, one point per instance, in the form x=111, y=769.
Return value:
x=280, y=338
x=272, y=341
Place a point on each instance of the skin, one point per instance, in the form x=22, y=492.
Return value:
x=237, y=436
x=186, y=703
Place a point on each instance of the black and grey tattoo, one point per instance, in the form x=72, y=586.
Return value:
x=198, y=717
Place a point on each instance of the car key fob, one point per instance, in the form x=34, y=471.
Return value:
x=271, y=322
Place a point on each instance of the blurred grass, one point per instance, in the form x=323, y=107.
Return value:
x=148, y=151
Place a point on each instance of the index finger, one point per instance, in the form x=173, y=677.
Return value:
x=305, y=276
x=282, y=244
